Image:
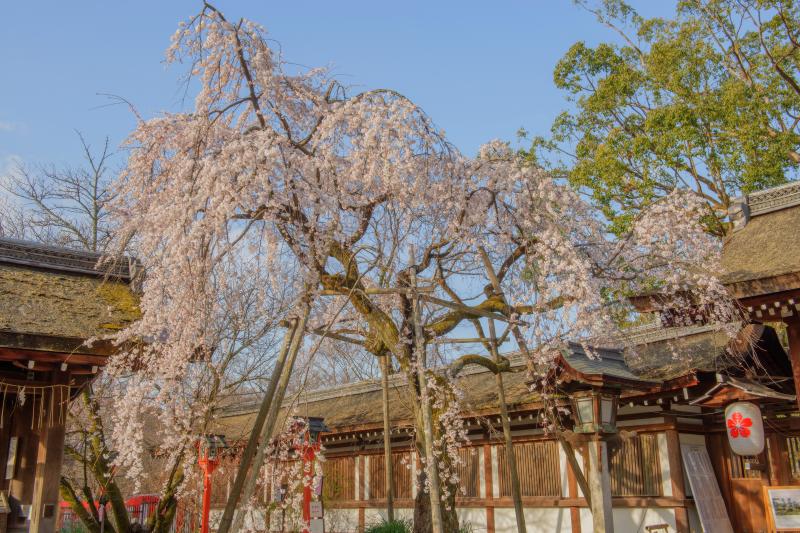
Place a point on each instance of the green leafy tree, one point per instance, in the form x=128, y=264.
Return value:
x=708, y=100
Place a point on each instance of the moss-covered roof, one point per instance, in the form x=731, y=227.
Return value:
x=765, y=247
x=39, y=302
x=763, y=244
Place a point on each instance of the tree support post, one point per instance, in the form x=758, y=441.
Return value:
x=272, y=417
x=600, y=487
x=255, y=433
x=511, y=458
x=427, y=416
x=387, y=437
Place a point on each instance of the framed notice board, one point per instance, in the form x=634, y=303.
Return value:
x=783, y=507
x=707, y=497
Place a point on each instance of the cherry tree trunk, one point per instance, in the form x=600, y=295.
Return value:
x=422, y=506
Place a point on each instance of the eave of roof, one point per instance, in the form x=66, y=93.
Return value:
x=31, y=254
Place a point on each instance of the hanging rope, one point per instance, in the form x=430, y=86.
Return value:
x=42, y=410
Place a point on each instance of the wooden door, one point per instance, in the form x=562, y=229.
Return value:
x=741, y=480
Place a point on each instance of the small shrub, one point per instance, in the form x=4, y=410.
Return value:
x=395, y=526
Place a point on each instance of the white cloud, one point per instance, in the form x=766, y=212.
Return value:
x=7, y=126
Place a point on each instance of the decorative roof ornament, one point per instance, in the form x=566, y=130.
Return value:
x=745, y=207
x=37, y=255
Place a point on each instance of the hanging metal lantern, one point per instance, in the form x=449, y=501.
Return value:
x=745, y=428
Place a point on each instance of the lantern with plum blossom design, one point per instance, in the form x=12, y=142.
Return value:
x=745, y=428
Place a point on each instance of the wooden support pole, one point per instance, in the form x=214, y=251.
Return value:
x=431, y=468
x=511, y=458
x=272, y=417
x=793, y=334
x=471, y=311
x=600, y=487
x=387, y=437
x=580, y=478
x=572, y=493
x=488, y=486
x=255, y=433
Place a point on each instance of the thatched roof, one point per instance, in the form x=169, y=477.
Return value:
x=674, y=352
x=57, y=293
x=763, y=245
x=661, y=355
x=667, y=353
x=359, y=405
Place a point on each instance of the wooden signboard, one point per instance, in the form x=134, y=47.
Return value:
x=783, y=507
x=707, y=497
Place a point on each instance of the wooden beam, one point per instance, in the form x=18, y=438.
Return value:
x=474, y=340
x=49, y=343
x=472, y=311
x=376, y=290
x=336, y=336
x=50, y=455
x=20, y=354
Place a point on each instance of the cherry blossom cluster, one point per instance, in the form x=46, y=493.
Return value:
x=446, y=398
x=284, y=472
x=298, y=182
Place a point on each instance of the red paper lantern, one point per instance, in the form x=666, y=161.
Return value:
x=745, y=428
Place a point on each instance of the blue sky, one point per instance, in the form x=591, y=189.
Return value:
x=482, y=70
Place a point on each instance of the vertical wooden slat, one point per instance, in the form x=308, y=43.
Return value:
x=538, y=465
x=635, y=468
x=339, y=479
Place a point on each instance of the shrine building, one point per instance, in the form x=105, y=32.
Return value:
x=667, y=463
x=51, y=300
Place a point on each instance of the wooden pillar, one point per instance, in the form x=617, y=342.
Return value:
x=678, y=486
x=600, y=487
x=20, y=486
x=572, y=493
x=44, y=508
x=793, y=333
x=387, y=438
x=360, y=492
x=778, y=460
x=488, y=483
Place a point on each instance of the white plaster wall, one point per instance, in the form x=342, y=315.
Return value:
x=341, y=520
x=537, y=520
x=663, y=459
x=633, y=519
x=374, y=515
x=474, y=517
x=291, y=520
